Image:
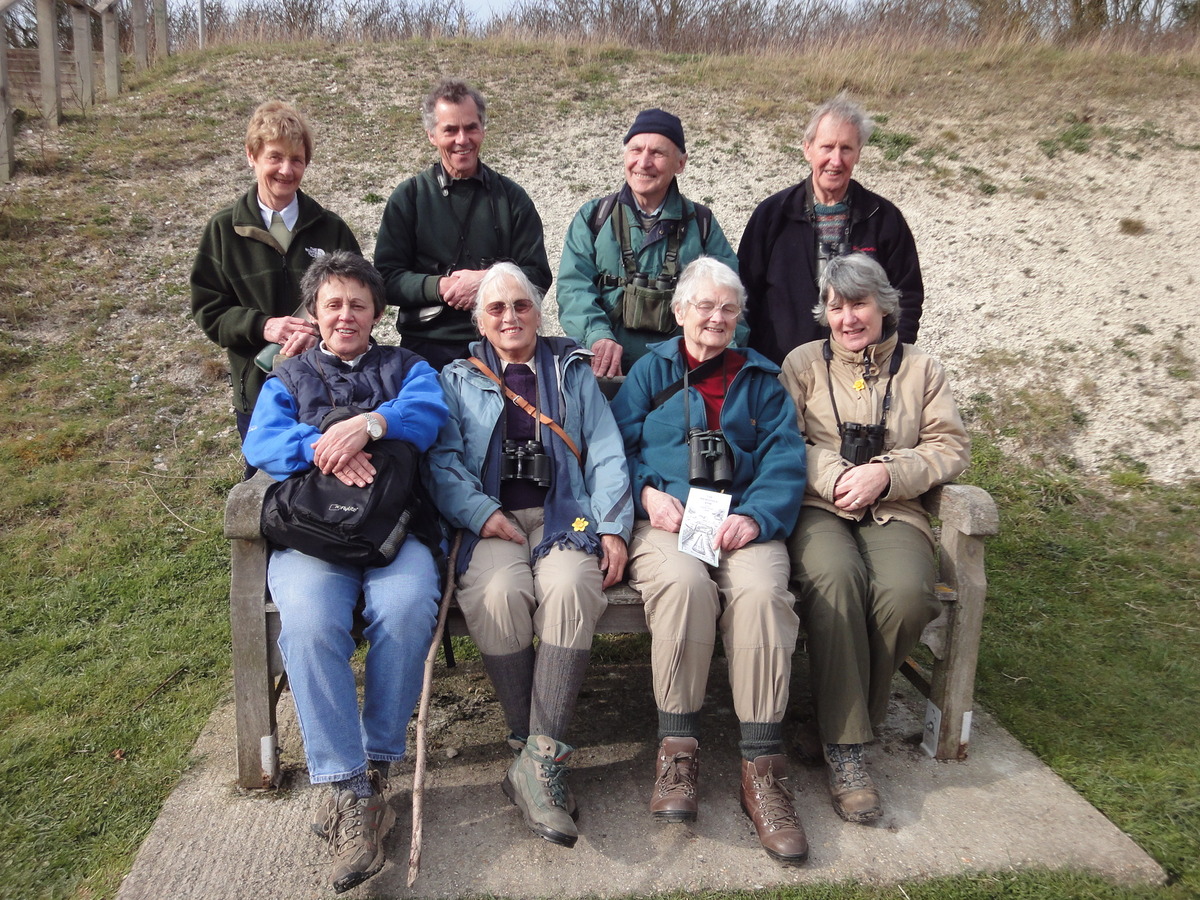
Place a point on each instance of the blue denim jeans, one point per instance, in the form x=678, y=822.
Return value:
x=316, y=601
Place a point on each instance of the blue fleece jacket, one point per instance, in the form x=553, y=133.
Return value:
x=758, y=420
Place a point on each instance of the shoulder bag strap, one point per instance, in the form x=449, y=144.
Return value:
x=533, y=411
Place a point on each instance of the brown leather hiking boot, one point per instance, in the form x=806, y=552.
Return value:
x=678, y=767
x=767, y=800
x=356, y=829
x=855, y=798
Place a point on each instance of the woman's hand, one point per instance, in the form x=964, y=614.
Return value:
x=735, y=532
x=665, y=512
x=339, y=444
x=498, y=526
x=612, y=563
x=861, y=486
x=357, y=471
x=281, y=329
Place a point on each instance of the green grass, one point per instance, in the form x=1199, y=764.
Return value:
x=116, y=453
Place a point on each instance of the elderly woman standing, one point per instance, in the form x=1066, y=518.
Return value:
x=246, y=278
x=345, y=748
x=697, y=385
x=531, y=466
x=882, y=428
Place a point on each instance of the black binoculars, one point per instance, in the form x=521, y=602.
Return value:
x=710, y=461
x=642, y=280
x=861, y=443
x=525, y=461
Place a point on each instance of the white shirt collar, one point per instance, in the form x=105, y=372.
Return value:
x=350, y=362
x=289, y=214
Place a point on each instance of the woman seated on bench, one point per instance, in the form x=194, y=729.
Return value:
x=316, y=599
x=882, y=428
x=695, y=413
x=531, y=467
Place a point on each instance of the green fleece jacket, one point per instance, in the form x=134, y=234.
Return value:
x=242, y=277
x=427, y=233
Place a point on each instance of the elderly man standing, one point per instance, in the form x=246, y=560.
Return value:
x=793, y=233
x=624, y=252
x=441, y=230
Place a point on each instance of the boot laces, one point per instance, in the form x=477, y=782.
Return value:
x=848, y=767
x=775, y=801
x=553, y=774
x=678, y=776
x=344, y=825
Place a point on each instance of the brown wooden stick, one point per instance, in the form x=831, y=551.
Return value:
x=418, y=792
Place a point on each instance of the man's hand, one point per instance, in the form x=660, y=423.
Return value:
x=458, y=289
x=612, y=563
x=498, y=526
x=861, y=486
x=735, y=532
x=607, y=360
x=665, y=512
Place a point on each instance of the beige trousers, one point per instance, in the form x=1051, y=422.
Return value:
x=506, y=601
x=746, y=597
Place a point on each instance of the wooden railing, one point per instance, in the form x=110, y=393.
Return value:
x=46, y=78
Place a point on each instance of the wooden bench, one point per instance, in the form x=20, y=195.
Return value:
x=967, y=516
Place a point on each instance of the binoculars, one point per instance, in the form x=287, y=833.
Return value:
x=710, y=461
x=861, y=443
x=525, y=461
x=642, y=280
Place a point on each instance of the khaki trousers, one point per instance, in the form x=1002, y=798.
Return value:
x=506, y=601
x=746, y=597
x=866, y=594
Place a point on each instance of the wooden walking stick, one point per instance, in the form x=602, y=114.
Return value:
x=418, y=792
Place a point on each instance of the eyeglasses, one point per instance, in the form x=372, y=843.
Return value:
x=707, y=307
x=497, y=308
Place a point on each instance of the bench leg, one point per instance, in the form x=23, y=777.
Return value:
x=952, y=692
x=253, y=684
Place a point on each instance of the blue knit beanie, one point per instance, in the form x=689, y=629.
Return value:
x=655, y=121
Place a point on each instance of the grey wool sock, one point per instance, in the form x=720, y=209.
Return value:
x=678, y=725
x=557, y=677
x=760, y=739
x=511, y=675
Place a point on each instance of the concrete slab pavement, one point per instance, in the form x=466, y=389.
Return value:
x=999, y=810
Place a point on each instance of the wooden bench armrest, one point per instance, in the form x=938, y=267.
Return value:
x=243, y=509
x=965, y=508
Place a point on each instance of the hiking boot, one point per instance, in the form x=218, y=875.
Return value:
x=356, y=829
x=678, y=768
x=537, y=783
x=516, y=745
x=767, y=800
x=325, y=813
x=854, y=796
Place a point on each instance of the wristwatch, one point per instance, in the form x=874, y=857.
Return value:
x=374, y=426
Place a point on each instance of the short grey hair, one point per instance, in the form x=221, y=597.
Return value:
x=345, y=265
x=842, y=109
x=496, y=274
x=451, y=90
x=706, y=270
x=856, y=277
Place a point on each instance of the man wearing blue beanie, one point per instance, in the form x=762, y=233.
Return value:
x=624, y=252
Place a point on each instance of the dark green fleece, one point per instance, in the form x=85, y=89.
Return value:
x=242, y=277
x=426, y=234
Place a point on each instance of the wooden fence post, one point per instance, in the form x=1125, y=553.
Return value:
x=81, y=27
x=112, y=47
x=162, y=41
x=8, y=157
x=47, y=32
x=141, y=49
